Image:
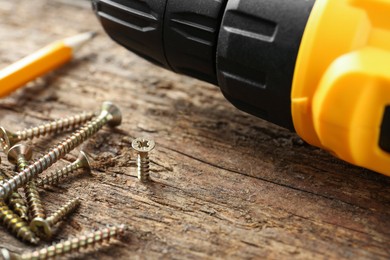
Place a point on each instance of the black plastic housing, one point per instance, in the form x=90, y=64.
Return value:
x=136, y=25
x=190, y=37
x=247, y=47
x=179, y=35
x=257, y=49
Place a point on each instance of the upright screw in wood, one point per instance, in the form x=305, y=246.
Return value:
x=44, y=226
x=20, y=154
x=69, y=246
x=53, y=178
x=143, y=146
x=9, y=139
x=110, y=115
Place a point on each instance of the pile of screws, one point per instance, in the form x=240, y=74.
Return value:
x=26, y=218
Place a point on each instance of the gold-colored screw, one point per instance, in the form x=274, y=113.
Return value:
x=34, y=201
x=109, y=115
x=17, y=204
x=44, y=226
x=143, y=146
x=20, y=154
x=69, y=246
x=14, y=223
x=9, y=139
x=53, y=178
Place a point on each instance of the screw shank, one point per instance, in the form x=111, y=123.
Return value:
x=76, y=244
x=34, y=201
x=143, y=167
x=54, y=127
x=63, y=211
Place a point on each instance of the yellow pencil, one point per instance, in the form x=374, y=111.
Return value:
x=40, y=62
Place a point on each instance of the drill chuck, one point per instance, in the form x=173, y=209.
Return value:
x=314, y=67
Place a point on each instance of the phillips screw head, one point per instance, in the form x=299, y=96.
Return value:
x=143, y=146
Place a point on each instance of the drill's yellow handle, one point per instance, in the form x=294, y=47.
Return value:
x=341, y=84
x=348, y=108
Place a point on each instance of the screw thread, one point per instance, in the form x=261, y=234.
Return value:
x=68, y=208
x=53, y=155
x=53, y=178
x=21, y=163
x=143, y=168
x=54, y=127
x=76, y=244
x=16, y=225
x=16, y=202
x=34, y=202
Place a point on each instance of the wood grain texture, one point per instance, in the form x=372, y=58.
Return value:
x=225, y=184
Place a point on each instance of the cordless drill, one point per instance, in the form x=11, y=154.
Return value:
x=320, y=68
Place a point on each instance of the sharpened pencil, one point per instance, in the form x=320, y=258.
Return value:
x=40, y=62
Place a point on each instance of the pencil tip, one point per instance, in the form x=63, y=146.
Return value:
x=93, y=34
x=77, y=41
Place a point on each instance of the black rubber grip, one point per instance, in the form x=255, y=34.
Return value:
x=137, y=25
x=190, y=36
x=176, y=34
x=257, y=49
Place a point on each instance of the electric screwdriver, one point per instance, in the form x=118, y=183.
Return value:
x=317, y=67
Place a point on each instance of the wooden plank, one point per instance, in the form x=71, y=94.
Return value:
x=225, y=184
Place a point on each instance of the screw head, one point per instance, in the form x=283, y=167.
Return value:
x=7, y=138
x=19, y=149
x=143, y=145
x=40, y=225
x=114, y=111
x=84, y=161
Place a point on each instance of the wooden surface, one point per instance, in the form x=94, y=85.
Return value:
x=225, y=184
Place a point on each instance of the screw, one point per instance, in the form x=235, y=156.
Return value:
x=143, y=146
x=34, y=201
x=45, y=225
x=69, y=246
x=15, y=223
x=9, y=139
x=109, y=115
x=15, y=201
x=53, y=178
x=20, y=154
